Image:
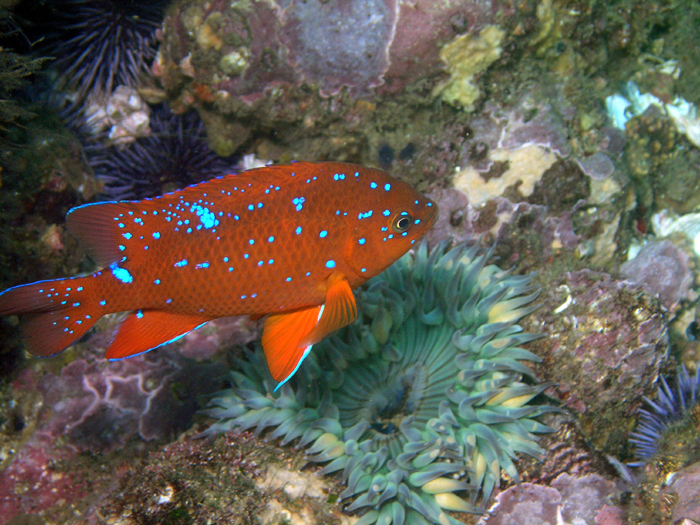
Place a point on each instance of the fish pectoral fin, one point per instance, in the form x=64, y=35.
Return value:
x=281, y=338
x=145, y=330
x=339, y=309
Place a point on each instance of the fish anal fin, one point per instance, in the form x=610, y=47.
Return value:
x=339, y=309
x=281, y=338
x=96, y=226
x=145, y=330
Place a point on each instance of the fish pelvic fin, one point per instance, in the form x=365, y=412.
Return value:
x=145, y=330
x=53, y=314
x=339, y=309
x=288, y=337
x=281, y=338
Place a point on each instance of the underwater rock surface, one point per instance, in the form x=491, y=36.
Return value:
x=604, y=347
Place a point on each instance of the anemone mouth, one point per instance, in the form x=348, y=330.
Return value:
x=386, y=406
x=419, y=403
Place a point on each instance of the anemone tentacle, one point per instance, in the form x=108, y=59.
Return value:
x=420, y=404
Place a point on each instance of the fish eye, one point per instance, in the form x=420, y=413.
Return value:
x=402, y=222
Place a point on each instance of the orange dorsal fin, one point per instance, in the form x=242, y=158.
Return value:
x=145, y=330
x=339, y=309
x=96, y=226
x=281, y=337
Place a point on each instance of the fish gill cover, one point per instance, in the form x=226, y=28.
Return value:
x=421, y=402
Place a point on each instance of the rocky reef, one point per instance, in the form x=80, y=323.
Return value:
x=563, y=136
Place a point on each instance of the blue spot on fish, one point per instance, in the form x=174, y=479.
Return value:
x=323, y=234
x=330, y=264
x=365, y=215
x=298, y=202
x=202, y=265
x=386, y=213
x=298, y=230
x=181, y=263
x=373, y=185
x=127, y=236
x=121, y=273
x=387, y=187
x=362, y=241
x=156, y=235
x=157, y=281
x=270, y=238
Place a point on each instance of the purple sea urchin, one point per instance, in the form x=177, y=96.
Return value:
x=420, y=402
x=174, y=155
x=101, y=44
x=670, y=408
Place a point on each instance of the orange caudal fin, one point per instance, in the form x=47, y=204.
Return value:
x=281, y=337
x=146, y=330
x=53, y=314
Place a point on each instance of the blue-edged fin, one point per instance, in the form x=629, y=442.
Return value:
x=52, y=314
x=340, y=309
x=288, y=337
x=145, y=330
x=96, y=226
x=281, y=337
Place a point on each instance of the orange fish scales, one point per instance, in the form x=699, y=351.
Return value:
x=291, y=240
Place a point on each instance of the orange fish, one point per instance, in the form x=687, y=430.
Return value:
x=287, y=242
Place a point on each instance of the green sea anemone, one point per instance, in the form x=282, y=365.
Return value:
x=420, y=402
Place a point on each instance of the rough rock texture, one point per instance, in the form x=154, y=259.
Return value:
x=603, y=347
x=243, y=50
x=686, y=487
x=662, y=268
x=588, y=499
